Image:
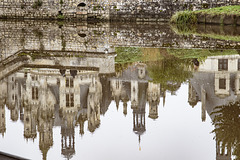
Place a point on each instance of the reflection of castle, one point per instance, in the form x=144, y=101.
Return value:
x=41, y=92
x=216, y=84
x=133, y=85
x=67, y=98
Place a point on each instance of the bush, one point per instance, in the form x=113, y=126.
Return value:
x=184, y=17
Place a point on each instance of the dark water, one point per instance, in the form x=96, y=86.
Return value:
x=118, y=91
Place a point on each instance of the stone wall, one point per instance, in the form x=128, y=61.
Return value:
x=114, y=10
x=158, y=10
x=16, y=36
x=53, y=9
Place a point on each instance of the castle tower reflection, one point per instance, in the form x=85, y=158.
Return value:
x=2, y=117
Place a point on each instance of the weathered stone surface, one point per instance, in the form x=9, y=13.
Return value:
x=219, y=19
x=228, y=19
x=238, y=20
x=101, y=38
x=213, y=19
x=114, y=10
x=201, y=18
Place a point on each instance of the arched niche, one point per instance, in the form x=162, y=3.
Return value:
x=82, y=4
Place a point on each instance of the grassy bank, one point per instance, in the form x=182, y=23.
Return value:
x=219, y=15
x=228, y=10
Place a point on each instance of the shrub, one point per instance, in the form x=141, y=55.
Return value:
x=184, y=17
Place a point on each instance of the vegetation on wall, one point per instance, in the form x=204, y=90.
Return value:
x=61, y=2
x=184, y=17
x=37, y=4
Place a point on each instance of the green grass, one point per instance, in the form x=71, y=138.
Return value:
x=128, y=54
x=184, y=17
x=200, y=54
x=228, y=10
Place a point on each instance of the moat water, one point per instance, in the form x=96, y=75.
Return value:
x=119, y=91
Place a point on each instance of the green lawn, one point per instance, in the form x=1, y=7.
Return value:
x=229, y=10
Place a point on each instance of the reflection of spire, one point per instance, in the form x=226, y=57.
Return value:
x=192, y=96
x=139, y=120
x=153, y=98
x=45, y=125
x=203, y=100
x=3, y=94
x=125, y=108
x=68, y=138
x=164, y=98
x=82, y=118
x=30, y=120
x=125, y=99
x=2, y=120
x=68, y=141
x=139, y=142
x=117, y=99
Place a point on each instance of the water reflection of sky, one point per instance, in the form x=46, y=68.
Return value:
x=53, y=63
x=178, y=133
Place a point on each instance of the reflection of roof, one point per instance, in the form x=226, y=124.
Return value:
x=131, y=73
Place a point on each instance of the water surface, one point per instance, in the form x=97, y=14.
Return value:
x=77, y=91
